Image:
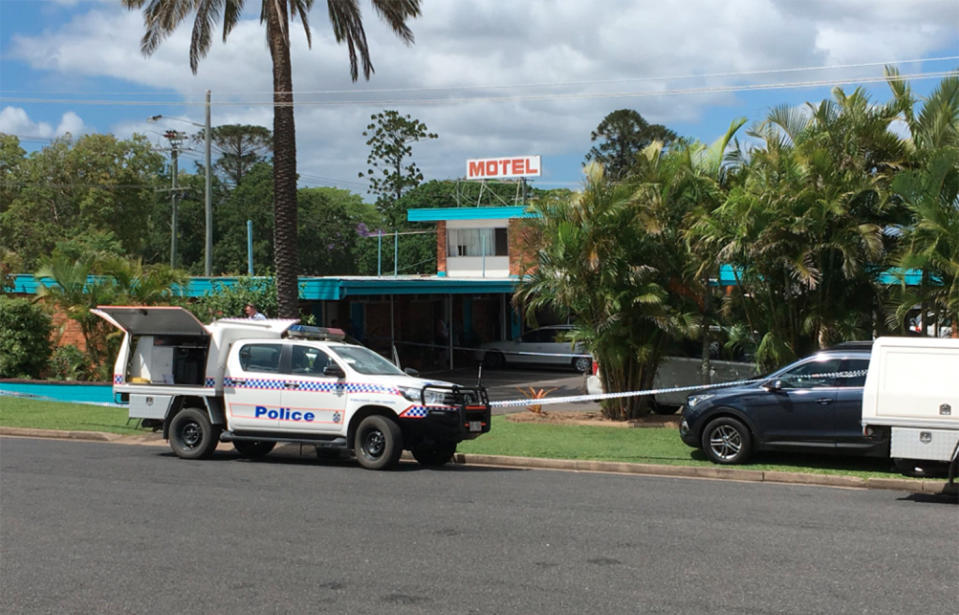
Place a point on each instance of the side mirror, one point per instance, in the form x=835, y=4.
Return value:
x=334, y=370
x=409, y=371
x=773, y=386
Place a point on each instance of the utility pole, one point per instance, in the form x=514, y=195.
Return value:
x=207, y=192
x=207, y=198
x=176, y=139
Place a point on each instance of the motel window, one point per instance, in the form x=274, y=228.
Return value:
x=477, y=242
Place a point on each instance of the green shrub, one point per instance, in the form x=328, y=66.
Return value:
x=227, y=301
x=24, y=338
x=68, y=363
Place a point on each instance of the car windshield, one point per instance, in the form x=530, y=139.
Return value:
x=365, y=361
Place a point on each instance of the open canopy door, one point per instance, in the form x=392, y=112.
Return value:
x=152, y=320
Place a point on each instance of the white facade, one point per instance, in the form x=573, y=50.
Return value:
x=470, y=255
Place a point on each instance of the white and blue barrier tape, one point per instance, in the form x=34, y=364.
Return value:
x=513, y=403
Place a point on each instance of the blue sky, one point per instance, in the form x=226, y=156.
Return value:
x=491, y=78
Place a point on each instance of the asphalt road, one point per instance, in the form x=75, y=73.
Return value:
x=109, y=528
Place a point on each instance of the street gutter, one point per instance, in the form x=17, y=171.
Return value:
x=924, y=485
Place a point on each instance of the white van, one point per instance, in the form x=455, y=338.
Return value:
x=912, y=390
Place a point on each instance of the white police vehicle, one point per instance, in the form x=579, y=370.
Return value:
x=259, y=382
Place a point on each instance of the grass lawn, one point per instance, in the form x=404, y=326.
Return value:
x=16, y=412
x=657, y=445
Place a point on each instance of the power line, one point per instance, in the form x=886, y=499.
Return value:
x=556, y=84
x=719, y=89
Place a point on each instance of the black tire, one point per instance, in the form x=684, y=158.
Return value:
x=378, y=442
x=494, y=360
x=434, y=454
x=726, y=440
x=253, y=449
x=583, y=365
x=192, y=436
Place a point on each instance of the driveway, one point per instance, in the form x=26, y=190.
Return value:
x=506, y=384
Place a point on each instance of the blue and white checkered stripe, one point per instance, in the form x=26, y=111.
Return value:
x=311, y=385
x=415, y=412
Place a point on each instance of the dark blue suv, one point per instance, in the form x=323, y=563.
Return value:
x=814, y=404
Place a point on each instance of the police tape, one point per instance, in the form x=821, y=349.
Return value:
x=543, y=401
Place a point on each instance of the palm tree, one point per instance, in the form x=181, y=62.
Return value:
x=611, y=261
x=929, y=188
x=804, y=230
x=161, y=17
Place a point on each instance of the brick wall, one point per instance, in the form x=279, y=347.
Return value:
x=523, y=244
x=66, y=331
x=441, y=246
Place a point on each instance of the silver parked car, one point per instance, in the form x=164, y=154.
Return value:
x=543, y=346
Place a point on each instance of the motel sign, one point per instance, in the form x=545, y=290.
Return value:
x=501, y=168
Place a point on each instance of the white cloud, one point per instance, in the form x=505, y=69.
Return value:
x=16, y=121
x=554, y=67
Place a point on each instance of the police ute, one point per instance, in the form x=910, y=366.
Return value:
x=259, y=382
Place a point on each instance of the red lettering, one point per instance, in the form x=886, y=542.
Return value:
x=475, y=169
x=530, y=169
x=517, y=164
x=491, y=168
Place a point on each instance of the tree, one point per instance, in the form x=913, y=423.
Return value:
x=72, y=188
x=390, y=139
x=241, y=146
x=245, y=202
x=161, y=17
x=609, y=259
x=929, y=189
x=329, y=240
x=623, y=134
x=98, y=278
x=24, y=338
x=931, y=242
x=804, y=229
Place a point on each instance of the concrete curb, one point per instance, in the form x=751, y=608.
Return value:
x=570, y=465
x=720, y=473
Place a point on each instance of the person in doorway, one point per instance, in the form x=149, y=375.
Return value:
x=251, y=312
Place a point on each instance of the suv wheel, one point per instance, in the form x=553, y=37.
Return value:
x=726, y=440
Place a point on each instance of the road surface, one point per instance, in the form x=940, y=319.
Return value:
x=94, y=527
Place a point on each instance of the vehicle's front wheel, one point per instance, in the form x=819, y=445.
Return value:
x=253, y=449
x=192, y=436
x=434, y=453
x=378, y=442
x=726, y=440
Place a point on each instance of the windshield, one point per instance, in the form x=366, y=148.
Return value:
x=365, y=361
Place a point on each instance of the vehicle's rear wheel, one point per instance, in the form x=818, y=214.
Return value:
x=253, y=449
x=583, y=365
x=192, y=436
x=726, y=440
x=434, y=453
x=494, y=360
x=378, y=442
